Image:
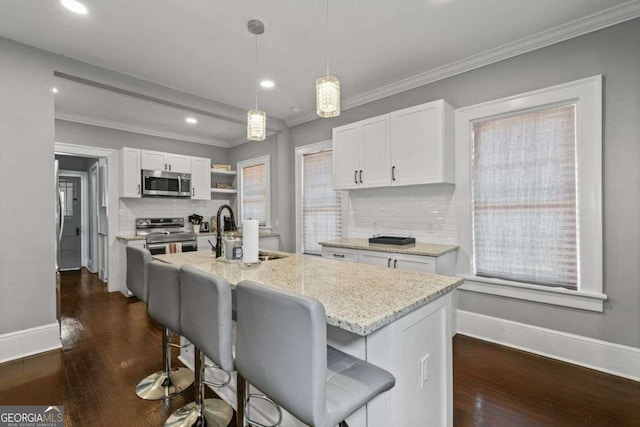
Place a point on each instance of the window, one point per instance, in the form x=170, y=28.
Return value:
x=524, y=197
x=318, y=206
x=66, y=189
x=255, y=190
x=529, y=184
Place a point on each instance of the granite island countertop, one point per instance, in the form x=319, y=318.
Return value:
x=425, y=249
x=358, y=298
x=130, y=237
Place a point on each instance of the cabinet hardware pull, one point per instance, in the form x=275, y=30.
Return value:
x=338, y=255
x=360, y=176
x=355, y=177
x=138, y=188
x=193, y=192
x=165, y=166
x=393, y=173
x=169, y=166
x=395, y=263
x=389, y=263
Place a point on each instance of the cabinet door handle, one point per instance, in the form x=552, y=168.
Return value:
x=165, y=166
x=138, y=188
x=389, y=263
x=395, y=263
x=338, y=255
x=393, y=173
x=355, y=177
x=193, y=192
x=169, y=166
x=360, y=176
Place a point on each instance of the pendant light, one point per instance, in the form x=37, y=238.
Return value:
x=256, y=119
x=327, y=87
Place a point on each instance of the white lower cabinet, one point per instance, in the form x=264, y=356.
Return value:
x=419, y=263
x=341, y=254
x=444, y=264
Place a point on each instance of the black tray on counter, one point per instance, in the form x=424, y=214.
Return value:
x=392, y=240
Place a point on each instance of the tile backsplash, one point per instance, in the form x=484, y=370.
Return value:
x=426, y=212
x=151, y=207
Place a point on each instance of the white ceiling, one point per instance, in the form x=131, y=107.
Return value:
x=203, y=47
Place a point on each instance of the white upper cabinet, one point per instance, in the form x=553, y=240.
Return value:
x=374, y=153
x=182, y=164
x=361, y=154
x=347, y=141
x=154, y=160
x=130, y=182
x=200, y=178
x=159, y=161
x=410, y=146
x=422, y=144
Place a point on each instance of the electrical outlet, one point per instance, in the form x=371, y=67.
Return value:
x=424, y=370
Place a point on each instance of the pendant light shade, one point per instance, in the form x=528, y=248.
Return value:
x=256, y=125
x=328, y=96
x=327, y=87
x=256, y=119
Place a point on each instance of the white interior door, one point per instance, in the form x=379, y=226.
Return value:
x=70, y=244
x=93, y=219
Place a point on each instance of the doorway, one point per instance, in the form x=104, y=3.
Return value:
x=71, y=241
x=83, y=191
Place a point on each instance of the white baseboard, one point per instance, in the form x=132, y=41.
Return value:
x=27, y=342
x=615, y=359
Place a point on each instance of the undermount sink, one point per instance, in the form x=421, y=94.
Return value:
x=269, y=256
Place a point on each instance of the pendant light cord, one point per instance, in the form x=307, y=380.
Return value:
x=256, y=71
x=327, y=36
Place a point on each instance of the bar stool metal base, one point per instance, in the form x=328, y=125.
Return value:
x=216, y=413
x=158, y=386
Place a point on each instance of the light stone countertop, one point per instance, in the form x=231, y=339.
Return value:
x=425, y=249
x=358, y=298
x=130, y=237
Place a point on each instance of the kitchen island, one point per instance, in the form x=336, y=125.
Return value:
x=398, y=320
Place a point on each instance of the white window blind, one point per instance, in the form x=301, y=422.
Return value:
x=254, y=193
x=321, y=205
x=524, y=198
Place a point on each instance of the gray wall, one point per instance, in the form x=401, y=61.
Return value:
x=615, y=53
x=96, y=136
x=27, y=223
x=278, y=147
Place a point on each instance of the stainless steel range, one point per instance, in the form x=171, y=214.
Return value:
x=160, y=232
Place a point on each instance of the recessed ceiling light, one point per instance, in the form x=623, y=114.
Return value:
x=75, y=6
x=54, y=89
x=191, y=120
x=267, y=84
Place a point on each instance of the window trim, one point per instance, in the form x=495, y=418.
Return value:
x=266, y=160
x=299, y=153
x=586, y=94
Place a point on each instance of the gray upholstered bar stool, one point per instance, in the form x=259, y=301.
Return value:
x=165, y=309
x=205, y=320
x=282, y=350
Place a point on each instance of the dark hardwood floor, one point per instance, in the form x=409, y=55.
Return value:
x=109, y=344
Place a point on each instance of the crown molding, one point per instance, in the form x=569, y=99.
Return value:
x=112, y=124
x=579, y=27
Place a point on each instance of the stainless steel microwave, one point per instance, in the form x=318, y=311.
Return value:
x=165, y=184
